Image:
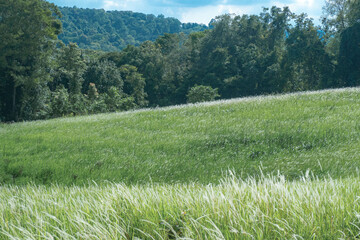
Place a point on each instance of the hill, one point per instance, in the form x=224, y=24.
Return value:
x=98, y=29
x=298, y=152
x=292, y=134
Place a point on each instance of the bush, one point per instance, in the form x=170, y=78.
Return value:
x=60, y=102
x=116, y=101
x=98, y=105
x=200, y=93
x=78, y=104
x=92, y=93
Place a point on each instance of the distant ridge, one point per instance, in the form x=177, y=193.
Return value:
x=98, y=29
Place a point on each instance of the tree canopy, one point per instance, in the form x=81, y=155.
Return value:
x=114, y=30
x=275, y=51
x=27, y=30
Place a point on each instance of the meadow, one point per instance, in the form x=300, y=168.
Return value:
x=290, y=134
x=267, y=167
x=268, y=208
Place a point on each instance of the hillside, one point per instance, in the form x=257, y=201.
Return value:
x=268, y=167
x=292, y=134
x=98, y=29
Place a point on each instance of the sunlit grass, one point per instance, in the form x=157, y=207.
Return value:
x=164, y=173
x=317, y=131
x=270, y=208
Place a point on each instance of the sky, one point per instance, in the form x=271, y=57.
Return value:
x=199, y=11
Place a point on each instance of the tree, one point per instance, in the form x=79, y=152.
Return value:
x=214, y=60
x=200, y=93
x=69, y=71
x=35, y=102
x=335, y=16
x=104, y=74
x=117, y=101
x=354, y=13
x=60, y=102
x=27, y=29
x=134, y=84
x=171, y=75
x=114, y=30
x=349, y=57
x=92, y=92
x=306, y=65
x=338, y=15
x=70, y=68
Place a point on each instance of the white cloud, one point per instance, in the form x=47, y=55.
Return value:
x=111, y=5
x=206, y=13
x=311, y=7
x=305, y=3
x=132, y=5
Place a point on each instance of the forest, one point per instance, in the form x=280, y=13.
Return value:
x=98, y=29
x=43, y=74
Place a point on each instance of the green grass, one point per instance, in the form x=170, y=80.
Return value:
x=164, y=173
x=270, y=208
x=318, y=131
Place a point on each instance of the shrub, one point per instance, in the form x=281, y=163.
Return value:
x=116, y=101
x=200, y=93
x=92, y=92
x=60, y=102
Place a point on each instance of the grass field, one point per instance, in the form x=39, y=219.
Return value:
x=270, y=208
x=175, y=173
x=317, y=131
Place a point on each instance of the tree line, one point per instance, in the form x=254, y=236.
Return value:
x=274, y=52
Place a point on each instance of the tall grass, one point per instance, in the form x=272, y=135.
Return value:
x=159, y=174
x=317, y=131
x=269, y=208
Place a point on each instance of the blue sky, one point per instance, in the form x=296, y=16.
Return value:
x=200, y=11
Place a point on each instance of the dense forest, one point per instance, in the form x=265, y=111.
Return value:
x=113, y=30
x=273, y=52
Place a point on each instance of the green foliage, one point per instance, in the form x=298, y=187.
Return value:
x=35, y=101
x=116, y=101
x=70, y=68
x=336, y=15
x=114, y=30
x=92, y=92
x=273, y=52
x=98, y=105
x=78, y=104
x=60, y=102
x=349, y=56
x=134, y=84
x=104, y=74
x=27, y=28
x=306, y=63
x=202, y=94
x=340, y=14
